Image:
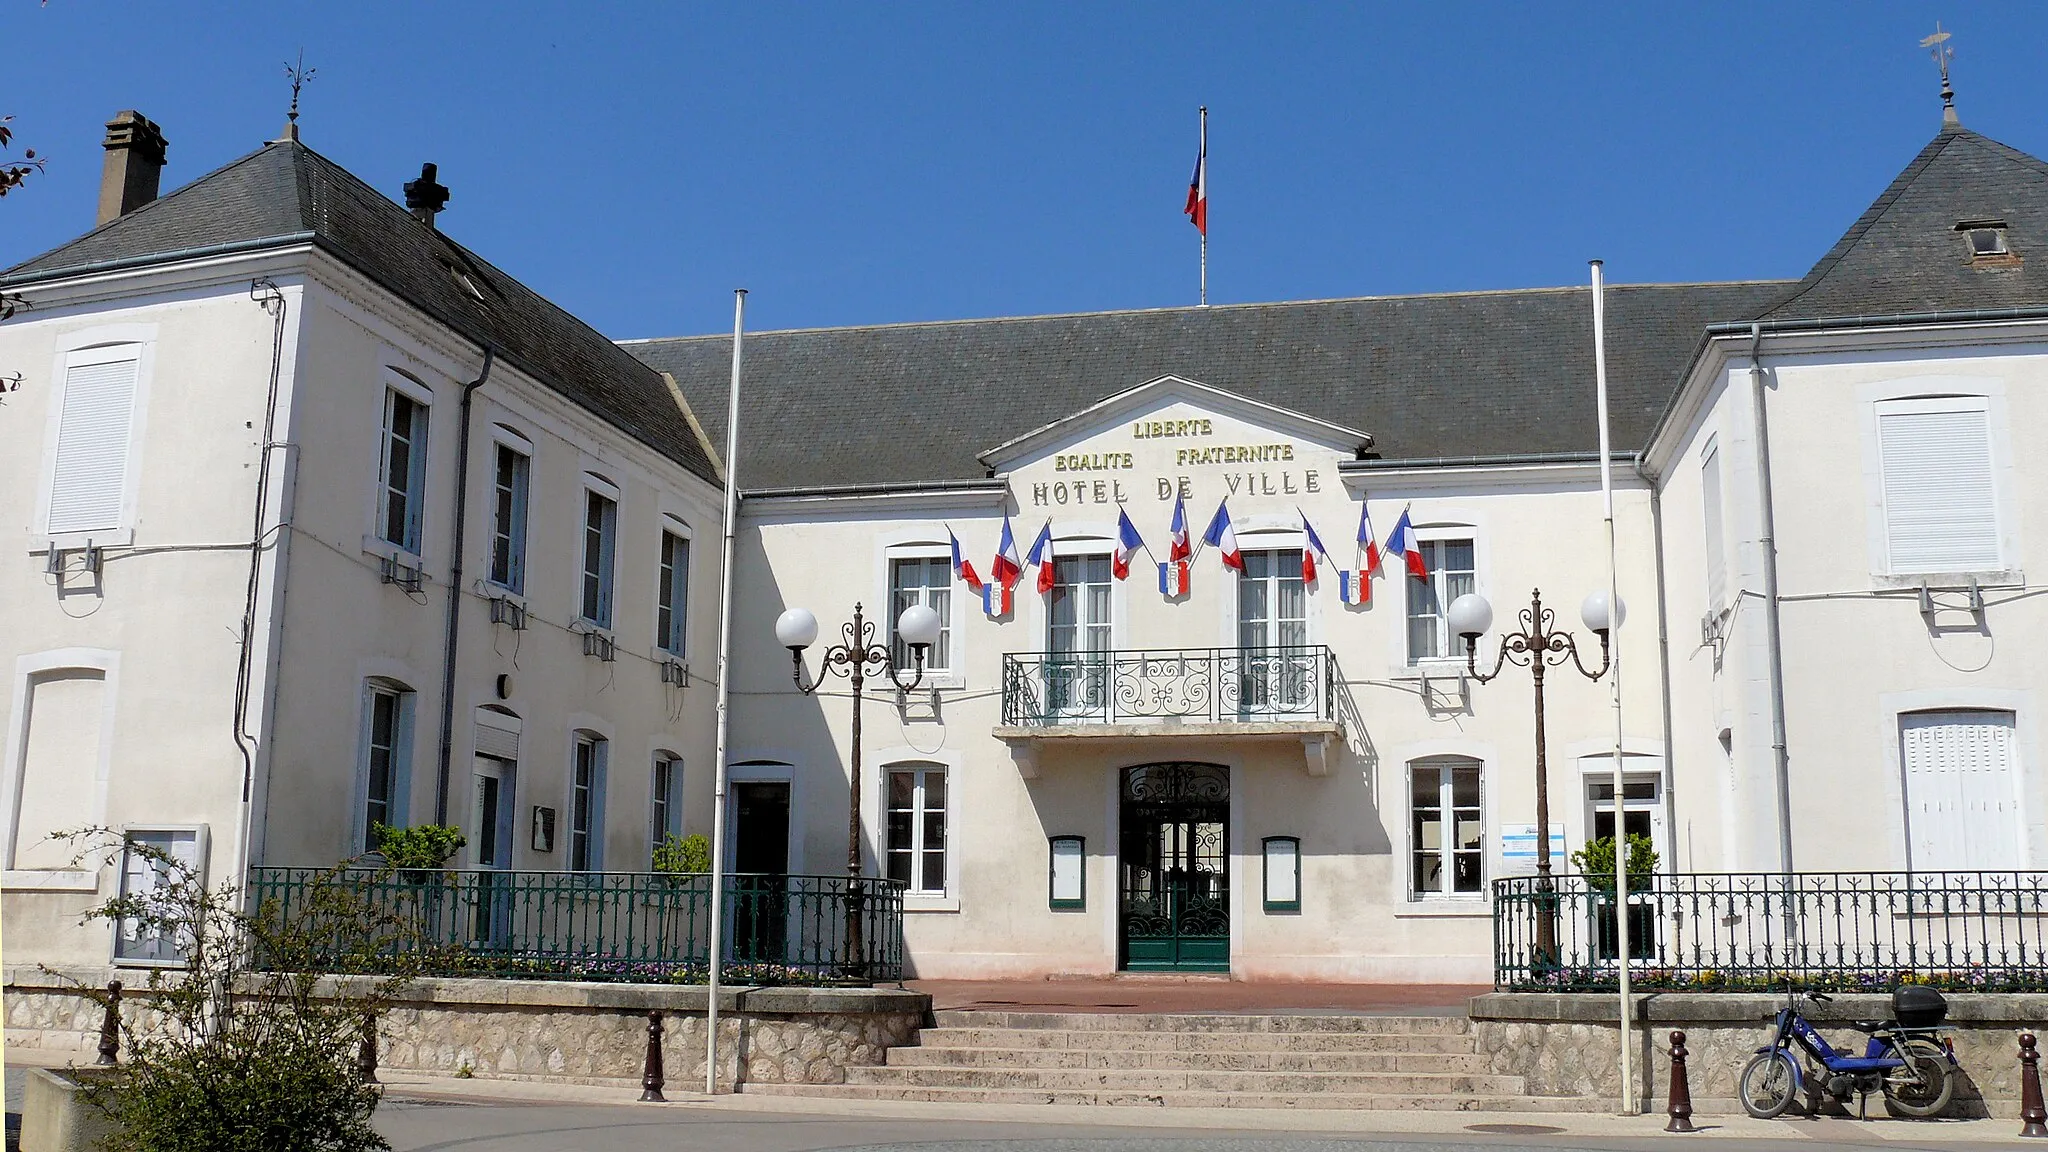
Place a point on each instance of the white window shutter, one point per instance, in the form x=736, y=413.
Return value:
x=1962, y=807
x=91, y=471
x=1940, y=510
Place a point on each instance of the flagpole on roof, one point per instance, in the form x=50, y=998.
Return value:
x=732, y=512
x=1202, y=173
x=1614, y=610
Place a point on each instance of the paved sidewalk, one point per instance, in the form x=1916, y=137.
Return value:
x=1183, y=995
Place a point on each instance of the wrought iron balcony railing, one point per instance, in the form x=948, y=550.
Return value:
x=1218, y=685
x=1757, y=931
x=646, y=927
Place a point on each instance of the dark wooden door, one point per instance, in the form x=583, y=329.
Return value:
x=760, y=864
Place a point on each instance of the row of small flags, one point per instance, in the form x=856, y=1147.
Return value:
x=1354, y=585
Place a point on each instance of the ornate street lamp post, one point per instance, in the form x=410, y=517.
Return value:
x=1535, y=646
x=855, y=657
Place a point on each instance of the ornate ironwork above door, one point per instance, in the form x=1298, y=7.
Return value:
x=1174, y=894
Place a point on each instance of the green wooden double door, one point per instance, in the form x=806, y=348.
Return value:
x=1173, y=859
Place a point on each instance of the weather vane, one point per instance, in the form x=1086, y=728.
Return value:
x=1937, y=46
x=300, y=76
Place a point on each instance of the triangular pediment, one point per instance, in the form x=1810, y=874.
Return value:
x=1172, y=394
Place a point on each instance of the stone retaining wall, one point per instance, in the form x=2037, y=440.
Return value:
x=1566, y=1044
x=555, y=1030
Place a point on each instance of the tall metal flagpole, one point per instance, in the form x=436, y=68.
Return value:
x=1202, y=175
x=1628, y=1091
x=732, y=515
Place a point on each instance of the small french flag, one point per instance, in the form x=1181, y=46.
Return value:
x=1041, y=556
x=996, y=600
x=1404, y=544
x=1127, y=544
x=1368, y=541
x=1180, y=548
x=1007, y=567
x=1220, y=535
x=1173, y=578
x=962, y=570
x=1308, y=554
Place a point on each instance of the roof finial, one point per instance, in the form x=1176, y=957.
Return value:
x=300, y=76
x=1937, y=45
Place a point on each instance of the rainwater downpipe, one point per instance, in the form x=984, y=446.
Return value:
x=1663, y=656
x=441, y=767
x=1773, y=635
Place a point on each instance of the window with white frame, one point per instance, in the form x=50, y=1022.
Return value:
x=1446, y=829
x=916, y=822
x=1940, y=498
x=600, y=554
x=511, y=474
x=1078, y=634
x=402, y=480
x=672, y=596
x=95, y=424
x=1962, y=790
x=926, y=580
x=386, y=757
x=1710, y=511
x=1452, y=573
x=665, y=803
x=155, y=865
x=586, y=803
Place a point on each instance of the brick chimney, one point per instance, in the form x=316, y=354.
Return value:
x=135, y=161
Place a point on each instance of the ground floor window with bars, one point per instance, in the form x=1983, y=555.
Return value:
x=1447, y=829
x=917, y=829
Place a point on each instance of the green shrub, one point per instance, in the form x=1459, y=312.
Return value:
x=421, y=847
x=684, y=854
x=1595, y=861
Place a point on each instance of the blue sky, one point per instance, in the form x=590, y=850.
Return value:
x=855, y=164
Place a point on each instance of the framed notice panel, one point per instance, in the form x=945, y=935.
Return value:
x=1283, y=873
x=1067, y=876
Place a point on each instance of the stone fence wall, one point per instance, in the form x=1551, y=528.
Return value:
x=1567, y=1044
x=553, y=1030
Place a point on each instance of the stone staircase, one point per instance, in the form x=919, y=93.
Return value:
x=1188, y=1061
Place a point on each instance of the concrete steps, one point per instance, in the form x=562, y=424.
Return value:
x=1191, y=1061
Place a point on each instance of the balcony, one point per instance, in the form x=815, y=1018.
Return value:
x=1288, y=694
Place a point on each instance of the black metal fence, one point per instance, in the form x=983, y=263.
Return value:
x=1964, y=931
x=647, y=927
x=1292, y=682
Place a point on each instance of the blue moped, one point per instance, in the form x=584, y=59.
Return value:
x=1906, y=1059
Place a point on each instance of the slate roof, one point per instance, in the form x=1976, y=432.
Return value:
x=1460, y=375
x=1904, y=254
x=285, y=193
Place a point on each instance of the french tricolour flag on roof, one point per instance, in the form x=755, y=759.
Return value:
x=1007, y=566
x=1127, y=544
x=1041, y=557
x=1404, y=544
x=1221, y=536
x=962, y=570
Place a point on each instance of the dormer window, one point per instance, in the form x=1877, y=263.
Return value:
x=1986, y=240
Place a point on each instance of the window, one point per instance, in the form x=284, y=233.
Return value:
x=586, y=804
x=1962, y=795
x=600, y=547
x=1272, y=629
x=1710, y=505
x=1940, y=504
x=386, y=759
x=665, y=806
x=402, y=485
x=152, y=859
x=1986, y=238
x=508, y=518
x=672, y=602
x=1078, y=634
x=89, y=480
x=1447, y=834
x=1451, y=575
x=927, y=581
x=917, y=829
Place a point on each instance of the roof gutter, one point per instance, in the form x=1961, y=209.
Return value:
x=888, y=489
x=196, y=253
x=1505, y=460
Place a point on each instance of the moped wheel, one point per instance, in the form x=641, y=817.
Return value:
x=1767, y=1085
x=1923, y=1087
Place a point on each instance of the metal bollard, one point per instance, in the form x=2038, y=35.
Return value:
x=110, y=1026
x=1680, y=1106
x=2031, y=1109
x=366, y=1054
x=651, y=1078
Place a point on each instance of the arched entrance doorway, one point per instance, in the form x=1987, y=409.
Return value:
x=1173, y=856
